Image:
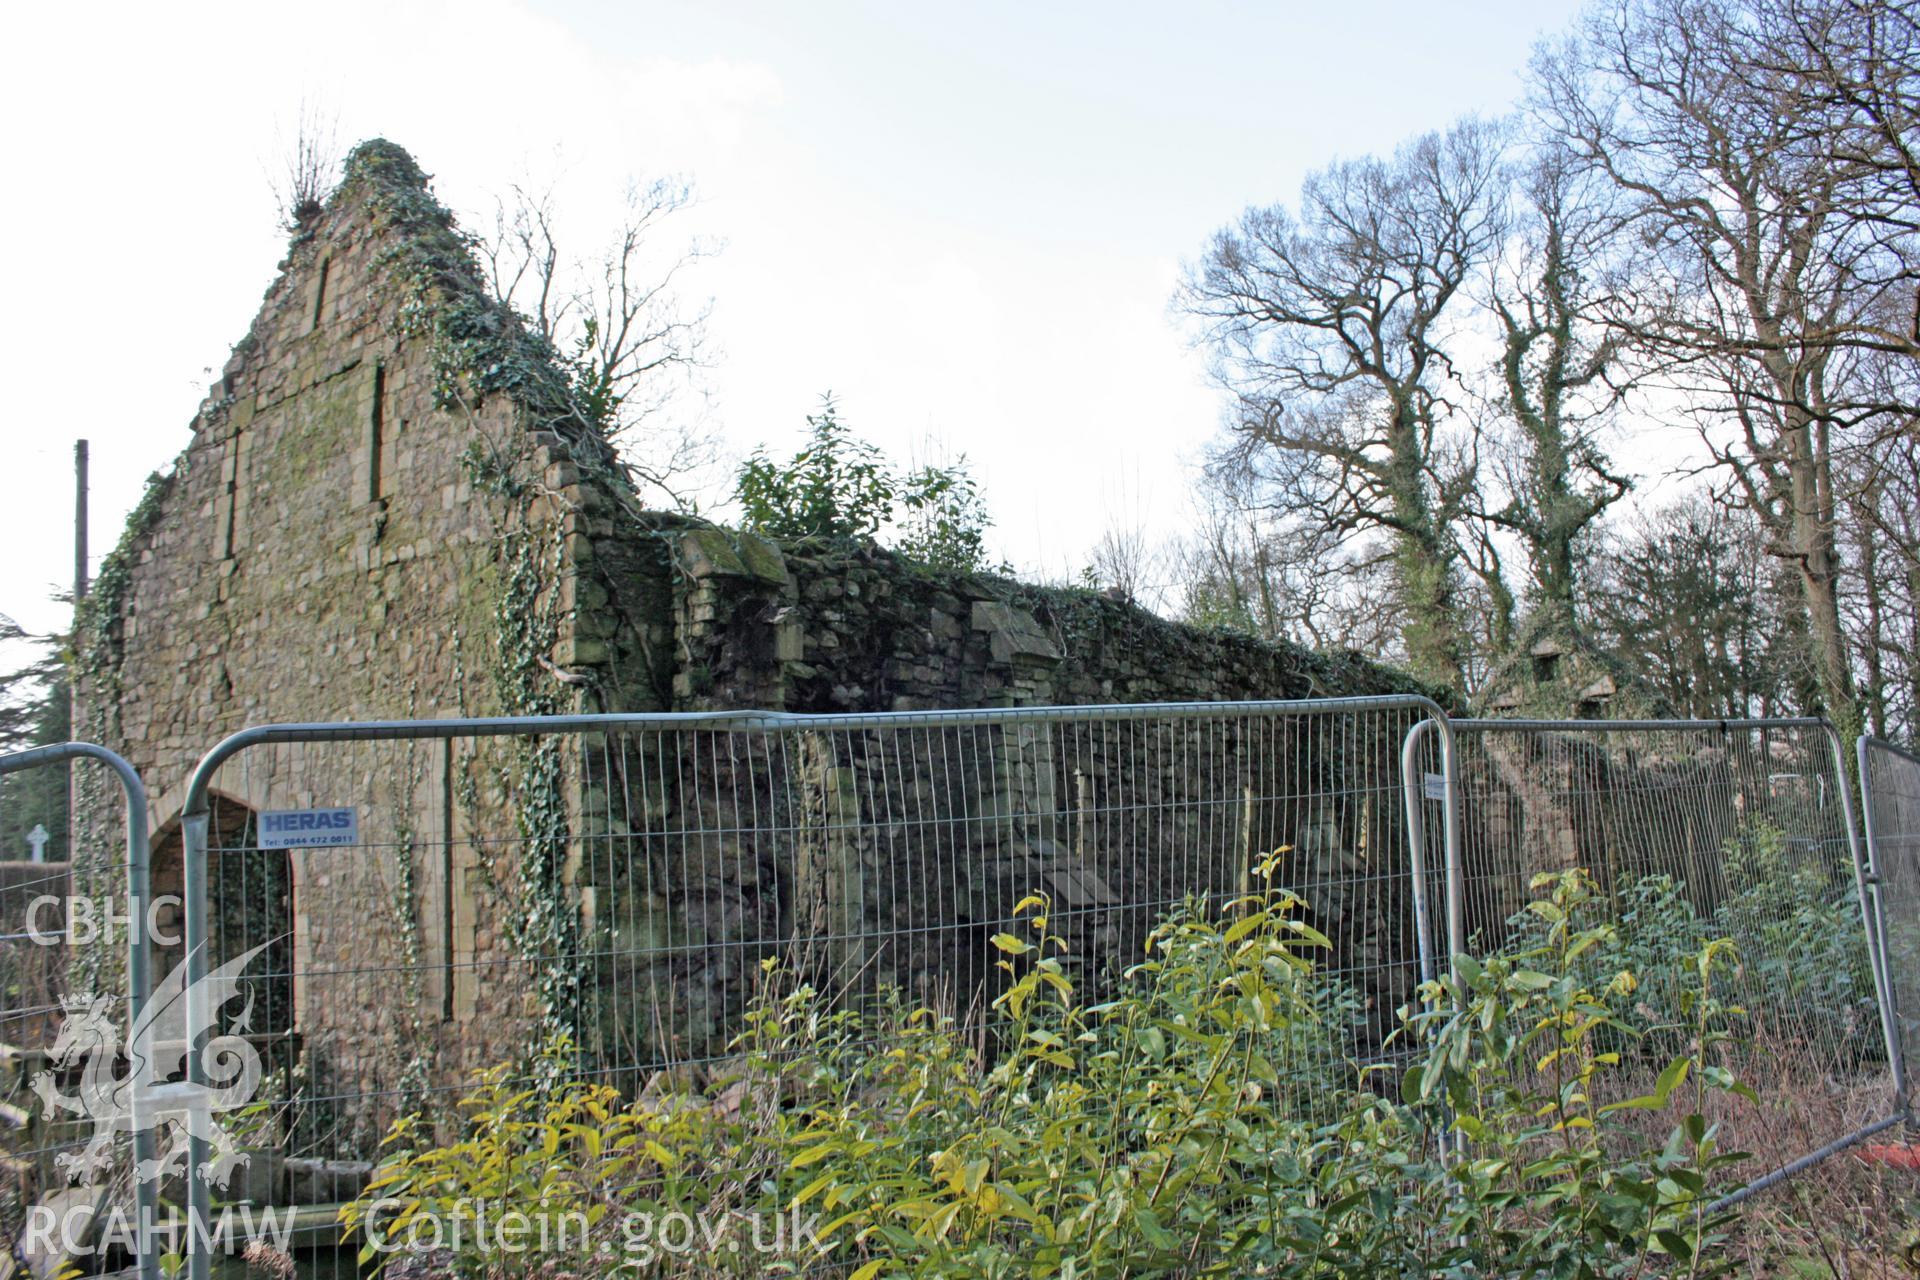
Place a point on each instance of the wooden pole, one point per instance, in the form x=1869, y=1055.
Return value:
x=79, y=521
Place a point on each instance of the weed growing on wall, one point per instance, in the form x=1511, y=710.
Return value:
x=840, y=488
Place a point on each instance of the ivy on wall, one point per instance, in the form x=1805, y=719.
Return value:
x=97, y=866
x=478, y=348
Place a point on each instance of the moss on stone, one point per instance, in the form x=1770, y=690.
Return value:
x=761, y=558
x=707, y=552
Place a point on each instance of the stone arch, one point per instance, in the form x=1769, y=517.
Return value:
x=251, y=897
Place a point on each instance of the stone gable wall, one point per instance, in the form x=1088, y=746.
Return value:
x=322, y=551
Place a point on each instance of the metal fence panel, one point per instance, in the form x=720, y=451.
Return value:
x=74, y=918
x=411, y=901
x=1890, y=810
x=456, y=890
x=1691, y=830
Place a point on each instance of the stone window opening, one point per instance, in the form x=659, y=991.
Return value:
x=376, y=442
x=319, y=295
x=233, y=499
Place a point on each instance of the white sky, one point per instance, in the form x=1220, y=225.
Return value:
x=966, y=221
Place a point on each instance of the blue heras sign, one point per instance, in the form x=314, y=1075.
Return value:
x=309, y=828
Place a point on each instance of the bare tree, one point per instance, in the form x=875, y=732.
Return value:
x=1687, y=597
x=1553, y=294
x=1866, y=610
x=1881, y=539
x=1251, y=568
x=632, y=344
x=1330, y=329
x=1764, y=283
x=1128, y=564
x=309, y=166
x=1859, y=62
x=1487, y=607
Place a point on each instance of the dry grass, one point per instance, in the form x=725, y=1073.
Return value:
x=1845, y=1218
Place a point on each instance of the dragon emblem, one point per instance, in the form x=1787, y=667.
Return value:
x=146, y=1098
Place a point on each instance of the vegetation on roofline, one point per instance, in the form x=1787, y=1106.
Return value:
x=479, y=346
x=842, y=489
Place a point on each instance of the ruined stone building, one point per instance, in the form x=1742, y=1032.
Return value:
x=388, y=510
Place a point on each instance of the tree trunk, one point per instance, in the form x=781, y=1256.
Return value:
x=1816, y=556
x=1913, y=651
x=1423, y=562
x=1875, y=694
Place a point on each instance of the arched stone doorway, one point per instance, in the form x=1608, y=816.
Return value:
x=250, y=898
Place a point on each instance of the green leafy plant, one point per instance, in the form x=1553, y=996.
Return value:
x=1179, y=1127
x=840, y=488
x=943, y=520
x=1554, y=1178
x=1654, y=934
x=577, y=1162
x=1109, y=1139
x=1796, y=916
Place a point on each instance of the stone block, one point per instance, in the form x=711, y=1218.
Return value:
x=707, y=552
x=581, y=651
x=594, y=623
x=260, y=1179
x=583, y=593
x=762, y=558
x=326, y=1181
x=1013, y=633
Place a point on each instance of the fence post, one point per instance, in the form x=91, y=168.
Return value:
x=1413, y=793
x=138, y=978
x=193, y=828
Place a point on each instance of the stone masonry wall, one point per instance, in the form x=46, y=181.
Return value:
x=886, y=856
x=866, y=630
